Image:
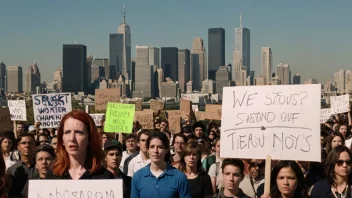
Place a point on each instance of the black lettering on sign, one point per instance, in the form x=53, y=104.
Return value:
x=243, y=99
x=51, y=100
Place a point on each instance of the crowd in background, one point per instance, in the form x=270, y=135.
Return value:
x=157, y=163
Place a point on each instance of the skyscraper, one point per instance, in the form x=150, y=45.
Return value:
x=241, y=55
x=75, y=71
x=216, y=48
x=115, y=55
x=3, y=74
x=339, y=80
x=32, y=78
x=169, y=62
x=14, y=79
x=198, y=63
x=154, y=56
x=125, y=30
x=283, y=72
x=267, y=64
x=296, y=79
x=144, y=82
x=183, y=68
x=223, y=79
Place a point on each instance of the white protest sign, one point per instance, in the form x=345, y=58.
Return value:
x=339, y=104
x=111, y=188
x=49, y=109
x=277, y=121
x=195, y=108
x=17, y=110
x=97, y=117
x=325, y=114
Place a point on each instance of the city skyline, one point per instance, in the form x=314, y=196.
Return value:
x=48, y=28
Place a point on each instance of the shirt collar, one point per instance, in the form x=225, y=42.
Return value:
x=168, y=171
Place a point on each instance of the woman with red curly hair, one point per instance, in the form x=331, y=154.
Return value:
x=79, y=149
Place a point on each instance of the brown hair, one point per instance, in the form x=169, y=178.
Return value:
x=330, y=138
x=94, y=156
x=191, y=148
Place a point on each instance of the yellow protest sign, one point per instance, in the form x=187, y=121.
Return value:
x=119, y=118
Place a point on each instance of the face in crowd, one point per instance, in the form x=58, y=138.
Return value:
x=256, y=168
x=20, y=128
x=43, y=161
x=26, y=146
x=131, y=144
x=199, y=132
x=232, y=177
x=179, y=144
x=75, y=137
x=113, y=158
x=54, y=142
x=163, y=126
x=143, y=143
x=6, y=145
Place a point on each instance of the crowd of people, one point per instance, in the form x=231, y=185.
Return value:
x=156, y=163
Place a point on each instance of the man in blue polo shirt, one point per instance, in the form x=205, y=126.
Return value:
x=159, y=179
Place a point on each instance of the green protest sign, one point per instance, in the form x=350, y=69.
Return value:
x=119, y=118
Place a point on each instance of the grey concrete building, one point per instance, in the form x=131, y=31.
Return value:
x=296, y=79
x=116, y=54
x=198, y=65
x=32, y=78
x=98, y=72
x=169, y=62
x=3, y=81
x=168, y=89
x=154, y=56
x=183, y=68
x=144, y=73
x=223, y=79
x=75, y=71
x=14, y=79
x=284, y=73
x=216, y=50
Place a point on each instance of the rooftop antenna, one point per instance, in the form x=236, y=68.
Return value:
x=241, y=21
x=124, y=14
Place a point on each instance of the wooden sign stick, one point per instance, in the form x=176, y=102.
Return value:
x=267, y=175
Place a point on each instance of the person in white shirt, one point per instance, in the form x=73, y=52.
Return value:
x=142, y=159
x=7, y=148
x=131, y=147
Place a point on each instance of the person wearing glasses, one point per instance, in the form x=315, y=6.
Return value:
x=18, y=174
x=179, y=142
x=337, y=171
x=254, y=178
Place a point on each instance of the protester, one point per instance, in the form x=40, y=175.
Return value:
x=7, y=148
x=3, y=189
x=159, y=179
x=164, y=125
x=254, y=179
x=18, y=174
x=42, y=139
x=54, y=142
x=131, y=148
x=191, y=165
x=20, y=128
x=179, y=142
x=113, y=155
x=334, y=139
x=215, y=169
x=79, y=149
x=233, y=173
x=337, y=171
x=198, y=129
x=142, y=159
x=187, y=130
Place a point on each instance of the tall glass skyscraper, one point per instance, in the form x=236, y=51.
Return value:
x=216, y=51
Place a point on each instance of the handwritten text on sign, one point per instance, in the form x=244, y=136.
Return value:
x=280, y=121
x=119, y=118
x=97, y=117
x=325, y=115
x=17, y=110
x=49, y=109
x=112, y=188
x=339, y=104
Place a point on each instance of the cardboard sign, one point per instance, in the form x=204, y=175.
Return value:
x=174, y=119
x=185, y=108
x=49, y=109
x=156, y=105
x=145, y=119
x=119, y=118
x=339, y=104
x=75, y=188
x=277, y=121
x=5, y=120
x=103, y=96
x=200, y=115
x=213, y=111
x=138, y=104
x=17, y=110
x=97, y=117
x=325, y=115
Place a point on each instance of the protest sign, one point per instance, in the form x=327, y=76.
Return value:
x=156, y=105
x=195, y=108
x=200, y=115
x=339, y=104
x=185, y=108
x=145, y=119
x=49, y=109
x=97, y=117
x=111, y=188
x=5, y=120
x=17, y=110
x=277, y=121
x=325, y=115
x=213, y=111
x=138, y=104
x=174, y=119
x=103, y=96
x=119, y=118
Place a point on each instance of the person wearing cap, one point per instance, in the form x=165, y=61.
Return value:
x=113, y=156
x=198, y=129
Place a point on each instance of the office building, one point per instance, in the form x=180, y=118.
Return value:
x=198, y=63
x=223, y=79
x=296, y=79
x=14, y=79
x=216, y=50
x=154, y=56
x=267, y=64
x=183, y=68
x=3, y=81
x=75, y=71
x=208, y=86
x=169, y=62
x=241, y=55
x=284, y=73
x=168, y=89
x=348, y=81
x=259, y=81
x=32, y=79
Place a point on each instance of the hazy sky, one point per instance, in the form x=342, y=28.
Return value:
x=313, y=36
